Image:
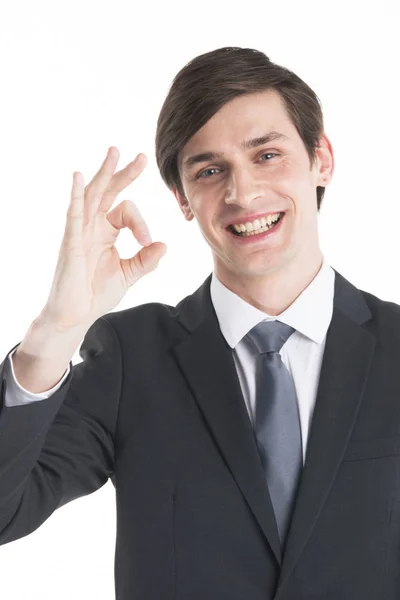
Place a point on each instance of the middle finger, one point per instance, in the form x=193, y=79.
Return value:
x=95, y=188
x=121, y=180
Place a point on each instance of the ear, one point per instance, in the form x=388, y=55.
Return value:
x=324, y=161
x=183, y=204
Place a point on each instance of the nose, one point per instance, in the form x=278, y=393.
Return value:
x=242, y=189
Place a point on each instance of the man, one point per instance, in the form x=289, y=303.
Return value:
x=244, y=468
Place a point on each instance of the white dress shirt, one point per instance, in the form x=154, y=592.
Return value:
x=310, y=315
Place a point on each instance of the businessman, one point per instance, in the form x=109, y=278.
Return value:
x=252, y=432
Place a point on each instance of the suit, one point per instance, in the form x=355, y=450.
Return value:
x=166, y=421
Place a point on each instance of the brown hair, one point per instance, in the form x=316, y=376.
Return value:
x=211, y=80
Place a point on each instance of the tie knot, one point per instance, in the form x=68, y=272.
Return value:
x=269, y=336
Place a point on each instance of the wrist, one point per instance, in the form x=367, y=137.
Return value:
x=45, y=340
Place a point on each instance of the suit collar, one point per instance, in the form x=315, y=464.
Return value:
x=346, y=297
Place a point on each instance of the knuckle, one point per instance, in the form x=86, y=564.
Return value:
x=140, y=263
x=109, y=194
x=134, y=271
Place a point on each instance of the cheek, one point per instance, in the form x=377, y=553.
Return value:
x=294, y=181
x=287, y=174
x=202, y=208
x=279, y=178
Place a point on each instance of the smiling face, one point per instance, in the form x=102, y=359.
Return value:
x=226, y=180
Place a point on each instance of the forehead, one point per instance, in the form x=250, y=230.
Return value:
x=247, y=116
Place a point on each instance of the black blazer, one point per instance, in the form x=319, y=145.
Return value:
x=156, y=405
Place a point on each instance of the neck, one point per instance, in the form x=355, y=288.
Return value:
x=275, y=292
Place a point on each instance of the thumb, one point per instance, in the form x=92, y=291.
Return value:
x=145, y=261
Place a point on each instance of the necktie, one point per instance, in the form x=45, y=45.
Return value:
x=277, y=424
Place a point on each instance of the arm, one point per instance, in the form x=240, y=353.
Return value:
x=16, y=395
x=41, y=359
x=62, y=447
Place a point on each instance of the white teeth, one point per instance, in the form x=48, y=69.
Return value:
x=258, y=225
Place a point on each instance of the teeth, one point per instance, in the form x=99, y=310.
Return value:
x=257, y=224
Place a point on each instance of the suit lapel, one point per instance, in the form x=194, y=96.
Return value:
x=208, y=366
x=345, y=366
x=207, y=363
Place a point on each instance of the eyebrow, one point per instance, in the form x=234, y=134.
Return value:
x=246, y=145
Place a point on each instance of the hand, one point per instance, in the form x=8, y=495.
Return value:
x=90, y=277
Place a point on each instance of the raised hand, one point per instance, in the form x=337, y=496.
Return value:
x=90, y=277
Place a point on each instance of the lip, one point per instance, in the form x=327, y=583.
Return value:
x=253, y=239
x=250, y=218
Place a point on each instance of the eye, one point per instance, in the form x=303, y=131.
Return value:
x=268, y=154
x=203, y=175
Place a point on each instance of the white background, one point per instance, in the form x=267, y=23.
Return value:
x=80, y=76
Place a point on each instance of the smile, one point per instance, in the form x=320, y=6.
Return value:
x=258, y=227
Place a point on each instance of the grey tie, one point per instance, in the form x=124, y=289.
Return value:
x=277, y=424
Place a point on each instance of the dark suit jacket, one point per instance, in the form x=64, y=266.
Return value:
x=157, y=406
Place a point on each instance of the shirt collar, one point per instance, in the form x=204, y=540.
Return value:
x=310, y=313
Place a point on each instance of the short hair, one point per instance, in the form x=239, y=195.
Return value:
x=209, y=81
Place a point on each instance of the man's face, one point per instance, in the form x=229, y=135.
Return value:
x=242, y=184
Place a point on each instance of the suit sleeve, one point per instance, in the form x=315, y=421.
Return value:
x=62, y=447
x=15, y=394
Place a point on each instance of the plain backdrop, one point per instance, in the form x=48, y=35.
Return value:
x=80, y=76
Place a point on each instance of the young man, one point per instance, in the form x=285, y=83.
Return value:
x=252, y=432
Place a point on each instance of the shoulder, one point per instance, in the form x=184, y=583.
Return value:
x=144, y=312
x=384, y=322
x=148, y=323
x=385, y=311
